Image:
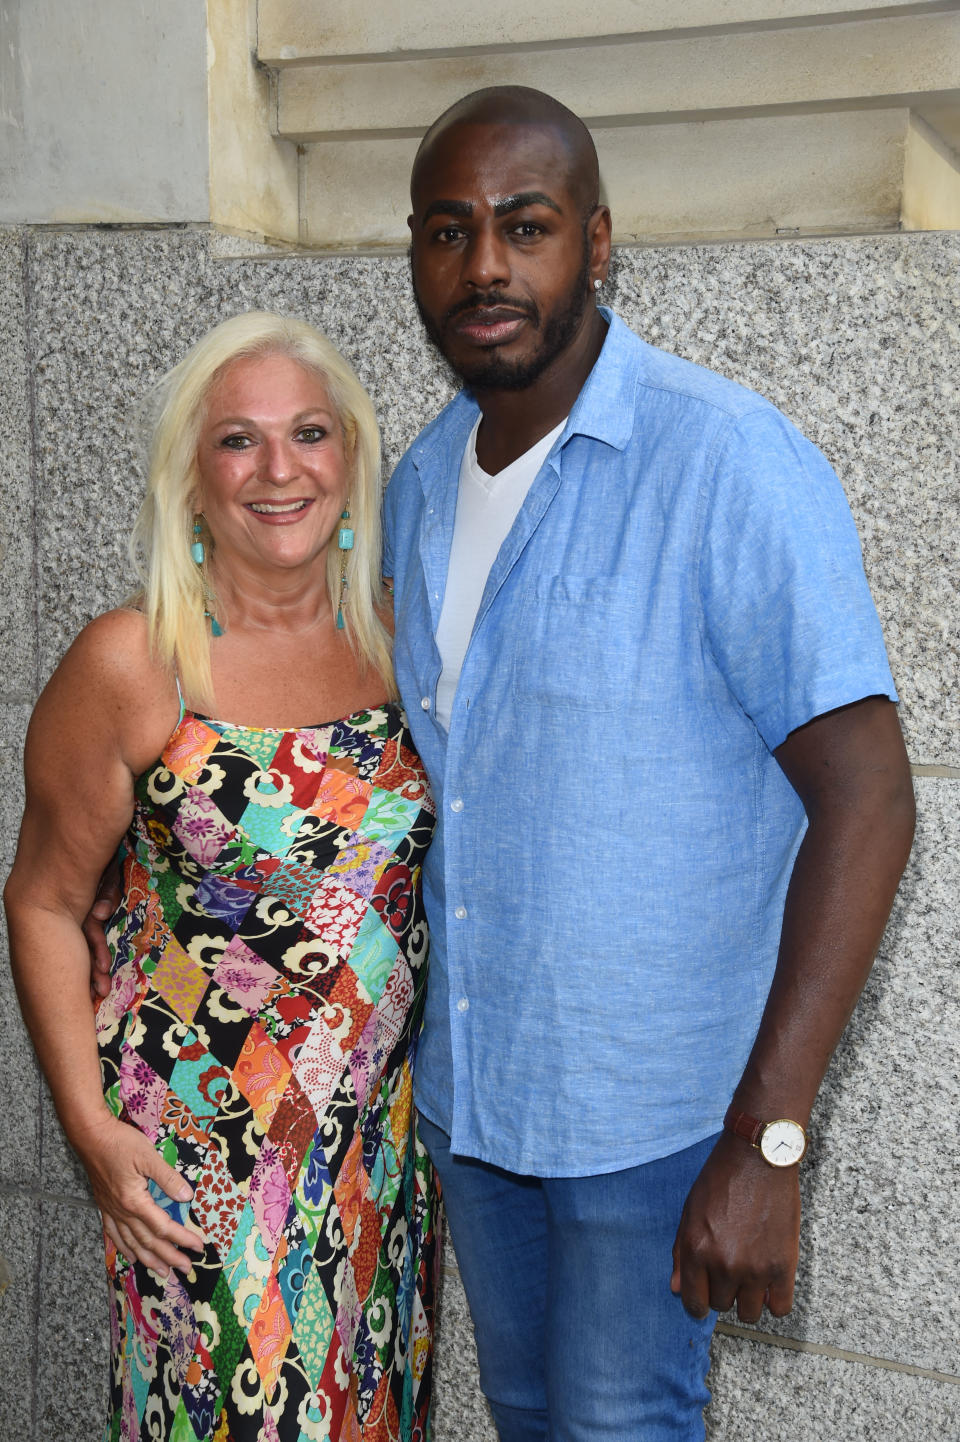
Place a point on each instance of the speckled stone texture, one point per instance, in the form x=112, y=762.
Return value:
x=20, y=1114
x=858, y=340
x=767, y=1394
x=460, y=1413
x=17, y=674
x=19, y=1270
x=73, y=1343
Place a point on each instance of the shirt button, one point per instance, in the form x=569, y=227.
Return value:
x=425, y=702
x=463, y=1004
x=456, y=805
x=461, y=913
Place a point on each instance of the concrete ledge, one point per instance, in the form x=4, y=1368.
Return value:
x=893, y=62
x=294, y=30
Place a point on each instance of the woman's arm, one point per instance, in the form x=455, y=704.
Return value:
x=103, y=718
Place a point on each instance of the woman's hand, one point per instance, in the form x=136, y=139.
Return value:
x=122, y=1164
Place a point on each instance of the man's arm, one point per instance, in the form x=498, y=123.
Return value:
x=738, y=1238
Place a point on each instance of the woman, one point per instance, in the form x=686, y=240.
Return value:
x=247, y=1127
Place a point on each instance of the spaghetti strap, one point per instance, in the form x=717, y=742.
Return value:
x=183, y=708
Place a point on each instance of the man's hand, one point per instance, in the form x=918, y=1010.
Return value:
x=738, y=1238
x=108, y=899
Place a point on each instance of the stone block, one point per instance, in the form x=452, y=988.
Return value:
x=19, y=1250
x=17, y=579
x=105, y=113
x=789, y=1396
x=460, y=1412
x=73, y=1346
x=339, y=215
x=704, y=76
x=880, y=1247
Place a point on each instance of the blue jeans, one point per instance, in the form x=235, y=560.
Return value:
x=578, y=1334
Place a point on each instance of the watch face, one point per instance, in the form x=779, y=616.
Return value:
x=783, y=1143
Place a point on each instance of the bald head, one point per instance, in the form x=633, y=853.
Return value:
x=519, y=106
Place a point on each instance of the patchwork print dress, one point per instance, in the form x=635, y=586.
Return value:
x=268, y=980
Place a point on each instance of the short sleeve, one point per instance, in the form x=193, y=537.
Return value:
x=787, y=611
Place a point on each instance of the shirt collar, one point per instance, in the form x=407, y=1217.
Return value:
x=604, y=408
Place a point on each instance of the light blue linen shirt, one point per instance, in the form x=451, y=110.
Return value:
x=682, y=588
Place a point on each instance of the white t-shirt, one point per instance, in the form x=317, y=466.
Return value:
x=487, y=507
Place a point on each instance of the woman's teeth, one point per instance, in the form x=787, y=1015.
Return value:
x=265, y=508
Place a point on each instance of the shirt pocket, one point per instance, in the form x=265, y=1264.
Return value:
x=577, y=642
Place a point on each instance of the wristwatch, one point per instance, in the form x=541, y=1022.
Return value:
x=781, y=1143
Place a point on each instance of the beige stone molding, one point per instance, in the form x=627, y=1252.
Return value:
x=908, y=59
x=291, y=31
x=713, y=119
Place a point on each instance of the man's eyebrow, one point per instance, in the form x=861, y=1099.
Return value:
x=447, y=207
x=506, y=206
x=522, y=200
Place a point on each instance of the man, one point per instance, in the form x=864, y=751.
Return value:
x=636, y=647
x=635, y=644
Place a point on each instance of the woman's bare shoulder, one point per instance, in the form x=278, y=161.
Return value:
x=110, y=680
x=117, y=645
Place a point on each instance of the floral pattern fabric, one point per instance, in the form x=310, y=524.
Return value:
x=267, y=990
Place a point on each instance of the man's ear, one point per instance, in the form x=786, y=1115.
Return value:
x=599, y=230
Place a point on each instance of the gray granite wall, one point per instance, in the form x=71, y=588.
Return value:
x=856, y=339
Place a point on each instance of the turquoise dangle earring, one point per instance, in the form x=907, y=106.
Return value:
x=198, y=553
x=345, y=544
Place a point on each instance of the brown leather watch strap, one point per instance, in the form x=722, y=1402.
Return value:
x=744, y=1126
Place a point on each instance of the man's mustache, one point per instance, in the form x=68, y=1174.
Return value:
x=493, y=300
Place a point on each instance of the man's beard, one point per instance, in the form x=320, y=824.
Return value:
x=490, y=370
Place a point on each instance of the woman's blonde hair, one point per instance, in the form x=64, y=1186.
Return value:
x=176, y=591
